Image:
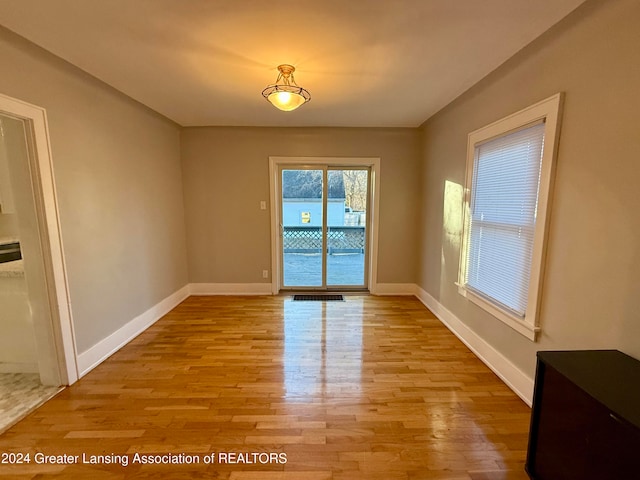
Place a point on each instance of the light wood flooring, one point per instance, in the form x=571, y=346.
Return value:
x=370, y=388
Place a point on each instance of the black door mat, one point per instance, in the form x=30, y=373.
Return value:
x=318, y=298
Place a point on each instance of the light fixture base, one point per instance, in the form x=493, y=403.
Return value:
x=286, y=70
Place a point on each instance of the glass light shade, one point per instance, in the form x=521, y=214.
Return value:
x=286, y=101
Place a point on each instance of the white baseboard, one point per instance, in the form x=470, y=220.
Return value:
x=394, y=289
x=511, y=375
x=91, y=358
x=230, y=289
x=12, y=367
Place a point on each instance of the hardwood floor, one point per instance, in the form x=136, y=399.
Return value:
x=269, y=388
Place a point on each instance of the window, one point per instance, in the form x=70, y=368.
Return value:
x=510, y=166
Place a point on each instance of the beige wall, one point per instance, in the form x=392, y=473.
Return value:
x=119, y=186
x=592, y=279
x=226, y=175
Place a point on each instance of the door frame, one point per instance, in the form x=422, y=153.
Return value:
x=57, y=355
x=373, y=163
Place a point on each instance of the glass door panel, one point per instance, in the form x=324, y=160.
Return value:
x=302, y=228
x=348, y=192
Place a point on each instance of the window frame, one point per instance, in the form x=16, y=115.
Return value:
x=549, y=111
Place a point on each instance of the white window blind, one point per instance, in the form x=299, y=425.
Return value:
x=503, y=207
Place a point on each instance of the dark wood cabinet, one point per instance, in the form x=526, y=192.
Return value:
x=585, y=422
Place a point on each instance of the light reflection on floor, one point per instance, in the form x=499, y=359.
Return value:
x=322, y=348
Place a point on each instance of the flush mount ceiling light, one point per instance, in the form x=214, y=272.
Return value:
x=285, y=94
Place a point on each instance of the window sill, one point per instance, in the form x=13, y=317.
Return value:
x=519, y=325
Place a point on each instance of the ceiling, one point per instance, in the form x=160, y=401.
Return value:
x=366, y=63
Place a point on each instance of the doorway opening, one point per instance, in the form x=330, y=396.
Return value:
x=324, y=219
x=37, y=352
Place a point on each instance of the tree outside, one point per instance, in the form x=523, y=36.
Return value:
x=355, y=189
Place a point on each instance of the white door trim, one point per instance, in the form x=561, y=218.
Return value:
x=374, y=201
x=61, y=361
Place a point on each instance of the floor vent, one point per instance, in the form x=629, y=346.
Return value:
x=318, y=298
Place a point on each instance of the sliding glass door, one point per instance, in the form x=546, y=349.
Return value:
x=324, y=227
x=302, y=214
x=347, y=227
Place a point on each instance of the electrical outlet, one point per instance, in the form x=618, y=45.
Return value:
x=265, y=273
